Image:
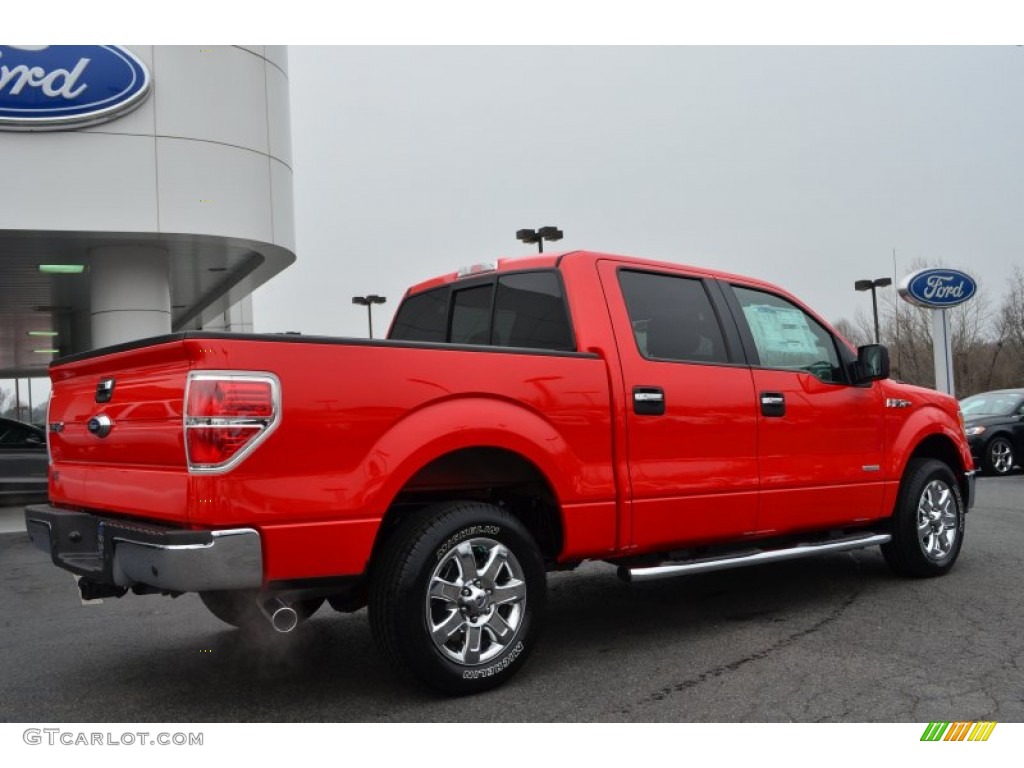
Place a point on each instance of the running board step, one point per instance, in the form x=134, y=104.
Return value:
x=752, y=558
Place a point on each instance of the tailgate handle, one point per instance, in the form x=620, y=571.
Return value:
x=105, y=390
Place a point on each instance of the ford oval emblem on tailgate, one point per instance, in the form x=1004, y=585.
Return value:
x=100, y=425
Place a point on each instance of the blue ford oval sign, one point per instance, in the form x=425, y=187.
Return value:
x=49, y=87
x=937, y=288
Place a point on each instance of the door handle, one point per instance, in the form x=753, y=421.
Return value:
x=648, y=401
x=773, y=404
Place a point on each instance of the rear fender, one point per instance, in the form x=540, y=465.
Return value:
x=442, y=428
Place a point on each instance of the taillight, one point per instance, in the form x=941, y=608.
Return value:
x=227, y=414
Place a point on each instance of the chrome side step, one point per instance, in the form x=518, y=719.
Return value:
x=753, y=558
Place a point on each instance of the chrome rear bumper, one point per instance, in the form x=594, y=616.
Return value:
x=125, y=553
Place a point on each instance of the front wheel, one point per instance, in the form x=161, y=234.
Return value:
x=928, y=522
x=999, y=457
x=458, y=597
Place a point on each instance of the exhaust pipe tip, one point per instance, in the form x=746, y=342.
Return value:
x=282, y=618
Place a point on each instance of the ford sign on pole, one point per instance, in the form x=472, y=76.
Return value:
x=54, y=87
x=939, y=290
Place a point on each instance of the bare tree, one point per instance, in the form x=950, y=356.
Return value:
x=40, y=411
x=6, y=403
x=848, y=331
x=1010, y=331
x=906, y=330
x=972, y=330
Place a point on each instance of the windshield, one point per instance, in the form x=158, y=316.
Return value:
x=991, y=404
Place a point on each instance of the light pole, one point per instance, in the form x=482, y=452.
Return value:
x=538, y=236
x=871, y=285
x=368, y=302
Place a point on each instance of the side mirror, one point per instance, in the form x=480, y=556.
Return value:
x=872, y=364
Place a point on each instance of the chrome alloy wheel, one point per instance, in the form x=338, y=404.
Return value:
x=1001, y=456
x=936, y=520
x=476, y=601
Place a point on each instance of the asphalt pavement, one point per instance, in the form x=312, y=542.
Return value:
x=12, y=519
x=835, y=638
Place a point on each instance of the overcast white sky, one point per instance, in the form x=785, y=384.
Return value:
x=803, y=166
x=806, y=166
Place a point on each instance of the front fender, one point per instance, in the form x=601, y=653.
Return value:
x=924, y=423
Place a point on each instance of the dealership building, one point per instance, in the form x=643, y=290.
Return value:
x=148, y=190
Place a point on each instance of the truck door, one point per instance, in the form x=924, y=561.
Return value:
x=820, y=439
x=690, y=418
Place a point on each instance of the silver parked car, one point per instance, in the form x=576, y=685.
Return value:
x=23, y=463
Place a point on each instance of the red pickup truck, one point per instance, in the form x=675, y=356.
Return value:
x=522, y=416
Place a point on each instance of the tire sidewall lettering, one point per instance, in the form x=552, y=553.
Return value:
x=469, y=532
x=498, y=667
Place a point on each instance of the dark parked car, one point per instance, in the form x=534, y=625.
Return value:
x=995, y=429
x=23, y=463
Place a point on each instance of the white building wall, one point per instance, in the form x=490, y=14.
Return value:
x=207, y=153
x=236, y=319
x=200, y=170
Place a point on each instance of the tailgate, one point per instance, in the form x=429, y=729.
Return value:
x=116, y=435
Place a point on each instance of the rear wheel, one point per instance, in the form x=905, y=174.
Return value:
x=240, y=607
x=928, y=522
x=999, y=457
x=458, y=597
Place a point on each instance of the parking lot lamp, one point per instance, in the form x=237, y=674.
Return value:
x=368, y=302
x=871, y=285
x=538, y=236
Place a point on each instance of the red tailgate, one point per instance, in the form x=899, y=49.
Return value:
x=133, y=460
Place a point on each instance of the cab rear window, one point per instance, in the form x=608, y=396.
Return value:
x=423, y=317
x=524, y=309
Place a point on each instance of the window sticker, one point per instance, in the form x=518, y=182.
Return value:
x=782, y=336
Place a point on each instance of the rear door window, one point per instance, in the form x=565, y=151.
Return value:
x=672, y=318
